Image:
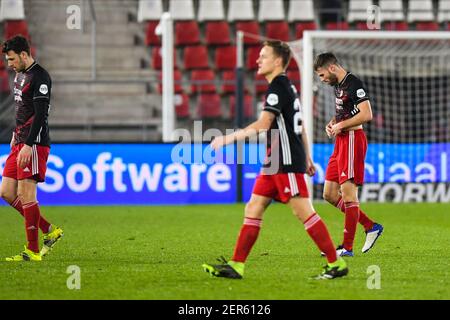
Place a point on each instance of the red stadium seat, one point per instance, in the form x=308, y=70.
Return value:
x=186, y=33
x=277, y=30
x=177, y=82
x=225, y=57
x=4, y=82
x=16, y=27
x=249, y=27
x=396, y=26
x=261, y=84
x=203, y=81
x=294, y=76
x=337, y=25
x=229, y=81
x=362, y=25
x=217, y=33
x=2, y=64
x=252, y=56
x=209, y=105
x=181, y=102
x=300, y=27
x=157, y=59
x=248, y=106
x=293, y=64
x=195, y=57
x=447, y=26
x=151, y=39
x=427, y=26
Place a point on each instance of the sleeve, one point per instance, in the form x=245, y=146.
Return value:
x=274, y=99
x=41, y=85
x=357, y=92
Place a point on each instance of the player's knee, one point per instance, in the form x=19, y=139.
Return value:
x=7, y=195
x=253, y=210
x=330, y=197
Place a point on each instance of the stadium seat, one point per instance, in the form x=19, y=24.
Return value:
x=252, y=56
x=209, y=106
x=277, y=30
x=228, y=82
x=12, y=10
x=16, y=27
x=294, y=76
x=444, y=11
x=181, y=102
x=4, y=82
x=217, y=33
x=391, y=10
x=301, y=10
x=396, y=25
x=248, y=107
x=225, y=57
x=2, y=64
x=177, y=82
x=249, y=27
x=240, y=10
x=211, y=10
x=292, y=64
x=203, y=81
x=271, y=10
x=195, y=57
x=186, y=33
x=260, y=84
x=151, y=39
x=157, y=59
x=427, y=26
x=149, y=10
x=343, y=25
x=358, y=10
x=300, y=27
x=182, y=9
x=420, y=10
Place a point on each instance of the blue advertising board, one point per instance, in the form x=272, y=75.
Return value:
x=153, y=174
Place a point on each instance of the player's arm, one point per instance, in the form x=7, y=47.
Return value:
x=261, y=125
x=364, y=115
x=11, y=144
x=310, y=168
x=41, y=96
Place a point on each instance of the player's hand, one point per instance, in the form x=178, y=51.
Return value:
x=217, y=143
x=310, y=167
x=336, y=129
x=328, y=128
x=24, y=157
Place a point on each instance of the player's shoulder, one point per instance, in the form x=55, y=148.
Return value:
x=40, y=72
x=280, y=83
x=354, y=80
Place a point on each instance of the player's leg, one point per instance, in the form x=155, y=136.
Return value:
x=317, y=230
x=254, y=211
x=350, y=198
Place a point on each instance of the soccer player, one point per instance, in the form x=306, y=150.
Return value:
x=30, y=146
x=345, y=170
x=285, y=182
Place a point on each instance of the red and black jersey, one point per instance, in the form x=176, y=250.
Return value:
x=284, y=143
x=32, y=91
x=349, y=93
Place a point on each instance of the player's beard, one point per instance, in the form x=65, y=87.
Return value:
x=22, y=65
x=333, y=80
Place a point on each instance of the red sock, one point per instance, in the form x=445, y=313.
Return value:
x=247, y=238
x=351, y=221
x=44, y=225
x=363, y=218
x=31, y=214
x=319, y=233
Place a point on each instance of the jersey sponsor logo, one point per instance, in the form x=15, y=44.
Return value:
x=272, y=99
x=340, y=93
x=23, y=82
x=360, y=93
x=43, y=89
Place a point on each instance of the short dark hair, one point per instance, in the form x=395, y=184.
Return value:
x=16, y=44
x=324, y=60
x=281, y=49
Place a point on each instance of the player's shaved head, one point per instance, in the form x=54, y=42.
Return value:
x=324, y=60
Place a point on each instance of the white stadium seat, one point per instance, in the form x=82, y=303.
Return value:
x=182, y=9
x=357, y=10
x=444, y=11
x=210, y=10
x=391, y=10
x=301, y=10
x=271, y=10
x=420, y=10
x=12, y=10
x=241, y=10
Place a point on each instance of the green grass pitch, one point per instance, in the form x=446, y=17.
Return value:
x=156, y=253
